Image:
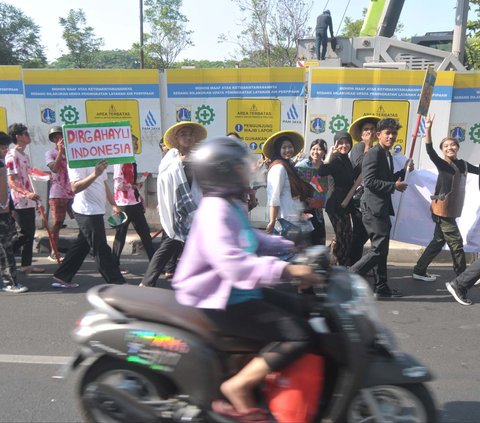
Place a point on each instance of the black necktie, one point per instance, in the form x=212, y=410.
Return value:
x=390, y=161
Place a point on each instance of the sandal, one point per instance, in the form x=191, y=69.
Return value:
x=31, y=269
x=254, y=415
x=64, y=285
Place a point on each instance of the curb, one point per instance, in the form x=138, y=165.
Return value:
x=400, y=252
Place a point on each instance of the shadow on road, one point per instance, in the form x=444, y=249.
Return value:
x=461, y=411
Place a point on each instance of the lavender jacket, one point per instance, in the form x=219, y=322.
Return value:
x=214, y=260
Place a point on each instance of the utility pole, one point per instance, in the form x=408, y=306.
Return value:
x=142, y=58
x=459, y=33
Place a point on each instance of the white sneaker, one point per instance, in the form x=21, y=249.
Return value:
x=477, y=283
x=15, y=289
x=426, y=277
x=53, y=259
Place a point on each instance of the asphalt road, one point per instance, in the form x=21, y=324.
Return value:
x=35, y=330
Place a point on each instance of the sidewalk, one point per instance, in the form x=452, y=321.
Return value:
x=400, y=252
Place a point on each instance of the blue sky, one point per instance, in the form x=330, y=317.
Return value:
x=116, y=21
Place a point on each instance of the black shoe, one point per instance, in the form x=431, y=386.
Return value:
x=387, y=293
x=460, y=294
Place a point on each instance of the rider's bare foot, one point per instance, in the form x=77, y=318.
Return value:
x=238, y=396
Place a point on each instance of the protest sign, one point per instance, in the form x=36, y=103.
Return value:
x=86, y=144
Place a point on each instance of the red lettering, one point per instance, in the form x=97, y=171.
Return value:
x=70, y=136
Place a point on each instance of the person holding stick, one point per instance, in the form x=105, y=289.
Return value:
x=447, y=204
x=380, y=183
x=60, y=196
x=23, y=196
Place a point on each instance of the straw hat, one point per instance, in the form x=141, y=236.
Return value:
x=296, y=138
x=54, y=130
x=355, y=129
x=199, y=133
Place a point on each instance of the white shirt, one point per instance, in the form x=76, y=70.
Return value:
x=280, y=194
x=90, y=201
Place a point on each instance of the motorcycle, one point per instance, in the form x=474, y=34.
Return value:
x=154, y=360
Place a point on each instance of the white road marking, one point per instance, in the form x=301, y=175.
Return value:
x=33, y=359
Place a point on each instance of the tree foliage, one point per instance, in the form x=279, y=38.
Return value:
x=80, y=39
x=205, y=64
x=271, y=30
x=472, y=45
x=352, y=27
x=19, y=39
x=167, y=36
x=103, y=59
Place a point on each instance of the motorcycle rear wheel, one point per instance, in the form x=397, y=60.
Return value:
x=135, y=380
x=411, y=403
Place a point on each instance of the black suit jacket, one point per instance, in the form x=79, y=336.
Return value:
x=379, y=182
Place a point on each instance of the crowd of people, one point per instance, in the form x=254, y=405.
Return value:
x=353, y=182
x=358, y=202
x=217, y=261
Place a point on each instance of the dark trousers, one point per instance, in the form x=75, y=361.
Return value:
x=8, y=268
x=321, y=39
x=25, y=219
x=91, y=237
x=318, y=235
x=135, y=215
x=343, y=237
x=446, y=231
x=378, y=229
x=468, y=278
x=359, y=235
x=169, y=248
x=274, y=321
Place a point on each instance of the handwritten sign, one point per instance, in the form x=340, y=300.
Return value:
x=427, y=91
x=86, y=144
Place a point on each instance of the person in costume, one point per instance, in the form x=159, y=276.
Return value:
x=364, y=133
x=447, y=204
x=128, y=199
x=286, y=191
x=178, y=195
x=60, y=197
x=308, y=170
x=340, y=168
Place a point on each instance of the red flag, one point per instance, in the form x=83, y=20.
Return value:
x=39, y=175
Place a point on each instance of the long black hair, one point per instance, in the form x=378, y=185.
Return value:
x=278, y=156
x=323, y=146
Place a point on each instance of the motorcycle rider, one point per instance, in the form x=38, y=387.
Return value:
x=222, y=273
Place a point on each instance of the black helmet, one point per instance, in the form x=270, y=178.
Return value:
x=214, y=161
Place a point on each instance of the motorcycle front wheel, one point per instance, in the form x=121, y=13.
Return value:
x=136, y=381
x=410, y=403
